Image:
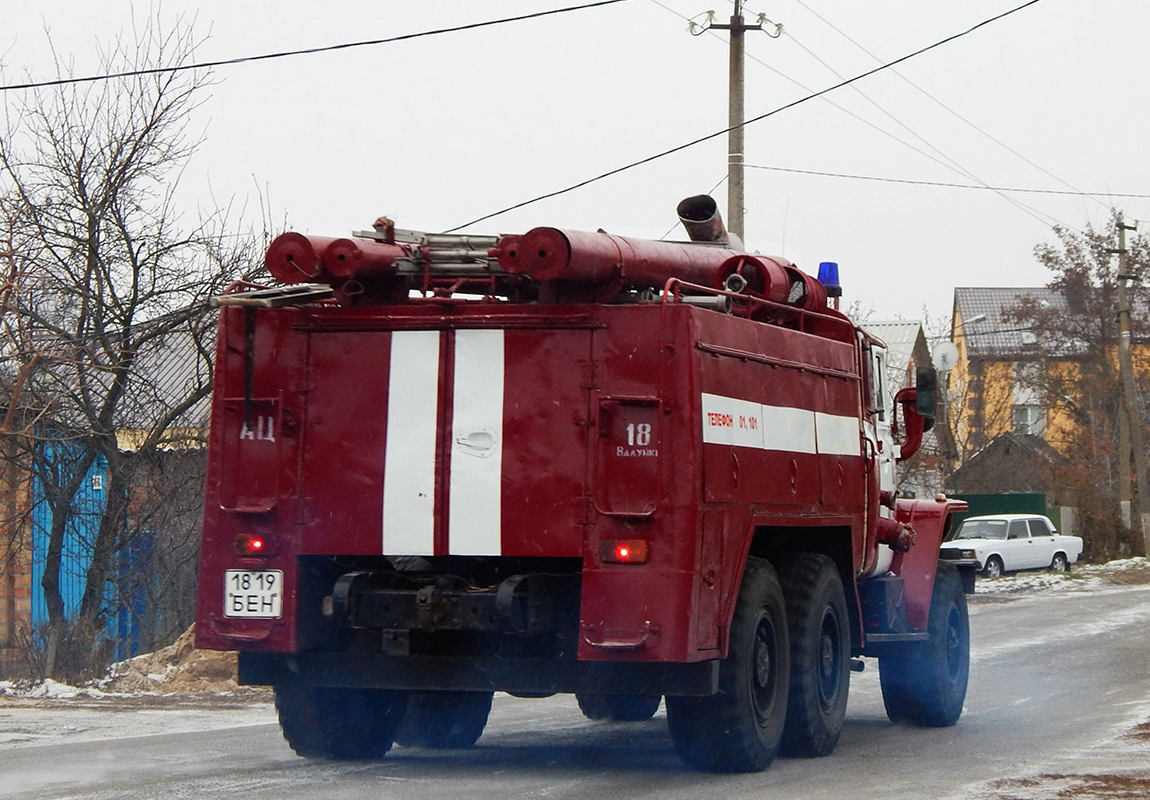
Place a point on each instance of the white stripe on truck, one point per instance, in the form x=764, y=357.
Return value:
x=475, y=521
x=409, y=456
x=743, y=423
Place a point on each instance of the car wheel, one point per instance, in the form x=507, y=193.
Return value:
x=739, y=728
x=993, y=568
x=1059, y=563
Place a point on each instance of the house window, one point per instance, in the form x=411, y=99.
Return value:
x=1029, y=419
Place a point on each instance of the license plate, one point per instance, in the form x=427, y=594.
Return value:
x=254, y=594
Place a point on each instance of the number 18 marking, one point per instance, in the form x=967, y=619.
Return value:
x=639, y=435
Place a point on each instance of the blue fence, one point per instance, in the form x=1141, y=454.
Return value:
x=123, y=613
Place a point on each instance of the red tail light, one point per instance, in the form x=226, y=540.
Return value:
x=625, y=551
x=250, y=544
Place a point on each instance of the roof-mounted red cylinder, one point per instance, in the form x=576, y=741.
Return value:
x=775, y=279
x=766, y=277
x=362, y=258
x=806, y=292
x=296, y=258
x=548, y=254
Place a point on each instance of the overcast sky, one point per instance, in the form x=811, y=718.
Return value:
x=440, y=130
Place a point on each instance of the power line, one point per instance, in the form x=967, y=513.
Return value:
x=949, y=162
x=307, y=51
x=942, y=159
x=943, y=184
x=759, y=118
x=957, y=167
x=877, y=128
x=938, y=102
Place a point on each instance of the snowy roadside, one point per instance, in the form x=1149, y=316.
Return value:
x=181, y=675
x=1115, y=769
x=1081, y=578
x=179, y=689
x=176, y=675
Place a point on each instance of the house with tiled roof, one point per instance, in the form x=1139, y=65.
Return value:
x=1005, y=369
x=994, y=387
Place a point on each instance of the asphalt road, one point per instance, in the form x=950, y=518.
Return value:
x=1058, y=681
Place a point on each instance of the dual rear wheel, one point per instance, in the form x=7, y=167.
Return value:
x=340, y=724
x=784, y=682
x=618, y=707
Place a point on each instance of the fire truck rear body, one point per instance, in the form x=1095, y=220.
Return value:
x=439, y=493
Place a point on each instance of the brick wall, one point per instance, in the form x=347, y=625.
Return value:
x=15, y=569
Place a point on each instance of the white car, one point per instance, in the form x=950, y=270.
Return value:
x=1000, y=543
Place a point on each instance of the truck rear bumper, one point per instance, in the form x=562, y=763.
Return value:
x=525, y=676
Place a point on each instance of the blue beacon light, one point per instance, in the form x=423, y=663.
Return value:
x=829, y=277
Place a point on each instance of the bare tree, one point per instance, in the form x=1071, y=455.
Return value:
x=1075, y=372
x=105, y=287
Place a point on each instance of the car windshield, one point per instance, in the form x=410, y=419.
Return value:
x=982, y=529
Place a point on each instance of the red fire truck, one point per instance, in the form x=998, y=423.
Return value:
x=444, y=466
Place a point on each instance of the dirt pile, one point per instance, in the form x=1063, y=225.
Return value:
x=177, y=668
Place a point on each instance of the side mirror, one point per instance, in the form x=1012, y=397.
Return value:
x=926, y=391
x=913, y=406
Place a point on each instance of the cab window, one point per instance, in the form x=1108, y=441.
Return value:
x=876, y=366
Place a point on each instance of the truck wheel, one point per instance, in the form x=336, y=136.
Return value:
x=619, y=707
x=739, y=729
x=820, y=654
x=924, y=683
x=1059, y=563
x=444, y=720
x=993, y=568
x=322, y=722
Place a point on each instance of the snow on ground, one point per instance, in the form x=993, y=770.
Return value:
x=1115, y=769
x=1081, y=578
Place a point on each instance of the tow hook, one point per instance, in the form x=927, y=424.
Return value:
x=430, y=607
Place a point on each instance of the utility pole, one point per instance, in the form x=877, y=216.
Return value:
x=1131, y=417
x=735, y=119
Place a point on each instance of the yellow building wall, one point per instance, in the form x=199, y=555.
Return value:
x=981, y=398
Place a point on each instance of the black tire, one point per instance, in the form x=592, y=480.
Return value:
x=320, y=722
x=820, y=654
x=444, y=720
x=739, y=729
x=993, y=568
x=924, y=683
x=1059, y=563
x=618, y=707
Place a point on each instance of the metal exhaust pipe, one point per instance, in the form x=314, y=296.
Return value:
x=700, y=216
